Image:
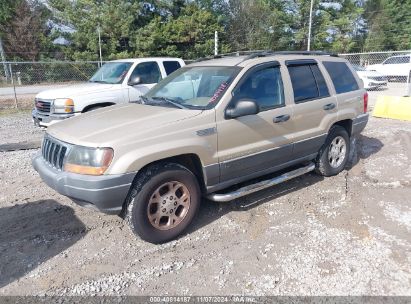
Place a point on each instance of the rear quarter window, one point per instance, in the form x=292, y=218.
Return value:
x=341, y=76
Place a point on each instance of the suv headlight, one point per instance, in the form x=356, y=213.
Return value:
x=63, y=106
x=89, y=161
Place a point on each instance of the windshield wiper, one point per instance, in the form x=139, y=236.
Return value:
x=170, y=101
x=142, y=100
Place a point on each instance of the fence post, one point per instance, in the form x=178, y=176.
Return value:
x=409, y=84
x=14, y=86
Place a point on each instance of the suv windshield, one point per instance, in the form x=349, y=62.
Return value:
x=194, y=87
x=111, y=72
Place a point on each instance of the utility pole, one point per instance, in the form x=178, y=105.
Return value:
x=99, y=44
x=3, y=59
x=310, y=25
x=215, y=43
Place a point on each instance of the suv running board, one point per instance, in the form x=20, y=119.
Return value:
x=226, y=197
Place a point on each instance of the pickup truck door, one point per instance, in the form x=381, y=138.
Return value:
x=149, y=73
x=255, y=144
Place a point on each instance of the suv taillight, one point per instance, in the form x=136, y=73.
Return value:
x=365, y=102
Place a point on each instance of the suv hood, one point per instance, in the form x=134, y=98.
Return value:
x=74, y=90
x=111, y=126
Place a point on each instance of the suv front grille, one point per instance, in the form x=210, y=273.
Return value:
x=43, y=105
x=53, y=152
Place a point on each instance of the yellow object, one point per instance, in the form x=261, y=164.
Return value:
x=394, y=107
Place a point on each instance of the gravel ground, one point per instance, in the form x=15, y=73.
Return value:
x=344, y=235
x=17, y=127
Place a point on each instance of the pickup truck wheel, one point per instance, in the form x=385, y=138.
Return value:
x=333, y=155
x=163, y=202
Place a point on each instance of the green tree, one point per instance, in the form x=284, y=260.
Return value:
x=190, y=35
x=389, y=25
x=26, y=31
x=7, y=8
x=343, y=25
x=258, y=24
x=118, y=21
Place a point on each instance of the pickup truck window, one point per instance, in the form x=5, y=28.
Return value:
x=171, y=66
x=308, y=82
x=397, y=60
x=342, y=77
x=111, y=72
x=149, y=72
x=264, y=86
x=195, y=87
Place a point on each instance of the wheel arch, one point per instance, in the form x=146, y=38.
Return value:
x=190, y=161
x=346, y=124
x=101, y=104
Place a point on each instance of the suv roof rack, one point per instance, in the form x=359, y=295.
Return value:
x=256, y=54
x=213, y=57
x=313, y=53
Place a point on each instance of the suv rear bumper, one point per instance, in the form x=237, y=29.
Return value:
x=359, y=123
x=105, y=193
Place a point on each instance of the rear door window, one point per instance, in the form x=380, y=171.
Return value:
x=341, y=76
x=308, y=82
x=171, y=66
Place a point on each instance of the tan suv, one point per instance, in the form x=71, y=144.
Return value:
x=220, y=128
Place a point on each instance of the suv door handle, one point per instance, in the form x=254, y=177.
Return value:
x=329, y=106
x=282, y=118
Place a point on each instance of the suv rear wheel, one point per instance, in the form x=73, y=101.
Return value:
x=163, y=202
x=333, y=155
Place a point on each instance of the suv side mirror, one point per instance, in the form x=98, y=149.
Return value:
x=242, y=108
x=134, y=81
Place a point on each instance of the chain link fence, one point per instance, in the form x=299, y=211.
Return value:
x=392, y=67
x=21, y=81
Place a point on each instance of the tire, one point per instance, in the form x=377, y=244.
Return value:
x=329, y=161
x=167, y=192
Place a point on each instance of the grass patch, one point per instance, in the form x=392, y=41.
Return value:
x=8, y=112
x=23, y=102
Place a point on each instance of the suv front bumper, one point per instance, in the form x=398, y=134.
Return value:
x=105, y=193
x=47, y=119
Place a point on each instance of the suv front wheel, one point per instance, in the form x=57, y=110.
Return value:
x=333, y=156
x=163, y=202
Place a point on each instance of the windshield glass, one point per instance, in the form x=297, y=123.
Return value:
x=359, y=68
x=111, y=72
x=194, y=87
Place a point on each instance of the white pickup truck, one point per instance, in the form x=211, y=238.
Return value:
x=118, y=81
x=394, y=68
